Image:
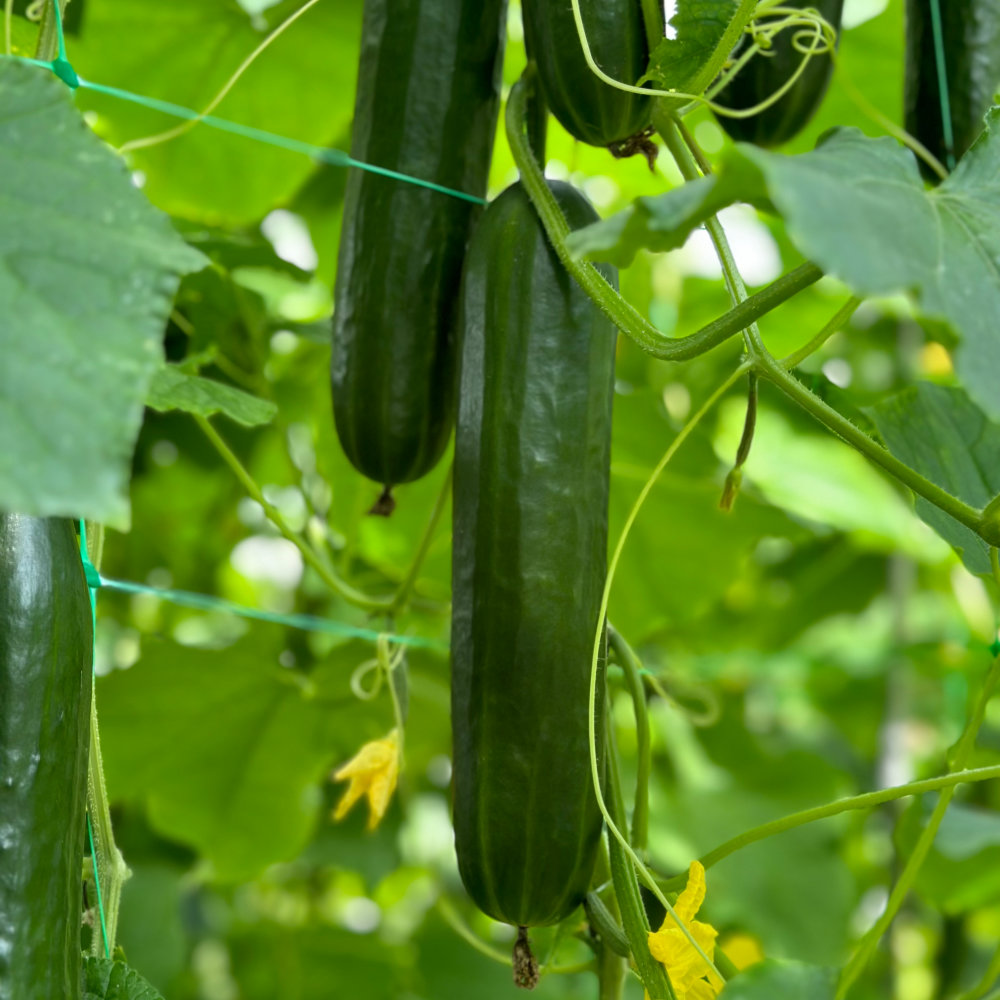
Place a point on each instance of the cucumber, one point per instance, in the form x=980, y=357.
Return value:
x=46, y=646
x=970, y=31
x=532, y=452
x=767, y=72
x=587, y=107
x=427, y=102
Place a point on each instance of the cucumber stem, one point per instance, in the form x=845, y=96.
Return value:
x=406, y=587
x=340, y=587
x=525, y=965
x=632, y=666
x=48, y=37
x=867, y=800
x=623, y=875
x=625, y=317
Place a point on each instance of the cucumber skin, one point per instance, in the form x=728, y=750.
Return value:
x=532, y=458
x=765, y=74
x=589, y=109
x=427, y=103
x=46, y=644
x=971, y=33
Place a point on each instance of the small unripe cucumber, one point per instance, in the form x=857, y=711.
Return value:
x=767, y=72
x=588, y=108
x=530, y=540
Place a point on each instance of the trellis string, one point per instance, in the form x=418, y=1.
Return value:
x=63, y=69
x=947, y=130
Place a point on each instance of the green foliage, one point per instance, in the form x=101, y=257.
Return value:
x=698, y=29
x=942, y=433
x=173, y=389
x=88, y=275
x=107, y=980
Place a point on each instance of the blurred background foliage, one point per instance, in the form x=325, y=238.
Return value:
x=818, y=641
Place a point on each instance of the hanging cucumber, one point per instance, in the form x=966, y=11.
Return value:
x=530, y=539
x=970, y=48
x=427, y=101
x=45, y=684
x=588, y=108
x=768, y=71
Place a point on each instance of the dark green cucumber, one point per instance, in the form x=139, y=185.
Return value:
x=427, y=101
x=586, y=106
x=532, y=451
x=767, y=72
x=45, y=685
x=970, y=32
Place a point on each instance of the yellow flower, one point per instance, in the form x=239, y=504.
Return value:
x=670, y=946
x=372, y=772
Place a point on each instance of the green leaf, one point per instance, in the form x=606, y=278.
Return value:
x=858, y=208
x=104, y=979
x=173, y=389
x=228, y=749
x=699, y=27
x=946, y=437
x=778, y=980
x=88, y=271
x=185, y=52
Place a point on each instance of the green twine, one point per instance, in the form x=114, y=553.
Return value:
x=947, y=131
x=85, y=557
x=206, y=602
x=334, y=157
x=97, y=886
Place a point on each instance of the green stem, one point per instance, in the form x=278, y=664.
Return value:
x=616, y=837
x=652, y=17
x=837, y=321
x=623, y=875
x=610, y=974
x=625, y=317
x=633, y=677
x=48, y=37
x=775, y=372
x=465, y=932
x=956, y=762
x=692, y=165
x=406, y=587
x=988, y=980
x=454, y=920
x=110, y=870
x=536, y=117
x=868, y=800
x=311, y=557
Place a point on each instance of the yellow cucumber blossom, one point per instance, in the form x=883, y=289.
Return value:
x=670, y=946
x=372, y=772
